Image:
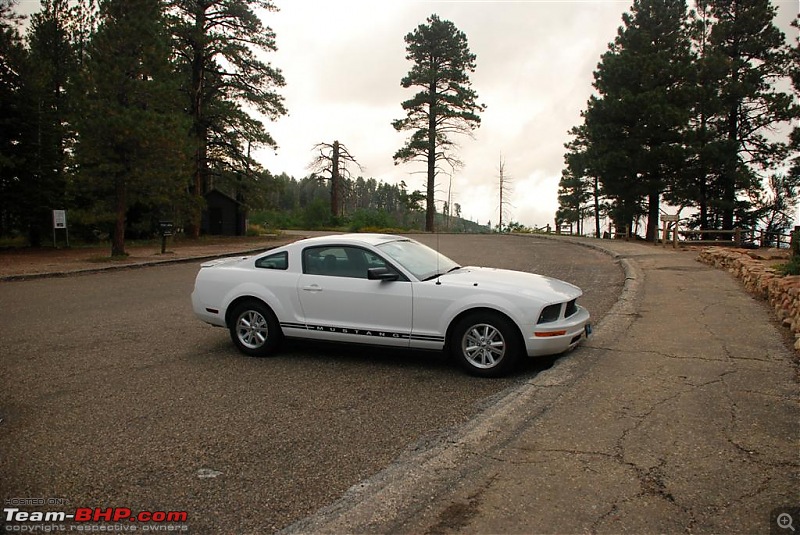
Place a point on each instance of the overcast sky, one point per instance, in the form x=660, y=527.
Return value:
x=343, y=61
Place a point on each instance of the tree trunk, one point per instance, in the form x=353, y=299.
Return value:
x=118, y=238
x=430, y=208
x=703, y=200
x=199, y=178
x=652, y=217
x=729, y=170
x=335, y=180
x=197, y=186
x=597, y=207
x=729, y=167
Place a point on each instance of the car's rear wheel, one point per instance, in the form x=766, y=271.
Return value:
x=486, y=344
x=255, y=329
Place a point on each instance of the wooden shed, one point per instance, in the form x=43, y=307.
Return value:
x=224, y=215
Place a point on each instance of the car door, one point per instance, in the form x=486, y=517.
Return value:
x=338, y=302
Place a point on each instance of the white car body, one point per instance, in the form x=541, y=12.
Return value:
x=310, y=302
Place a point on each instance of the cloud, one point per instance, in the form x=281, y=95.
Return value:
x=343, y=62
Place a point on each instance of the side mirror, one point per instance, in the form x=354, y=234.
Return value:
x=381, y=274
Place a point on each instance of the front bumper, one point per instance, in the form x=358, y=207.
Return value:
x=546, y=339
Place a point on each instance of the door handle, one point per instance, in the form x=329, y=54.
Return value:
x=312, y=288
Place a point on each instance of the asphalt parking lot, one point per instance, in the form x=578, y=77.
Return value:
x=113, y=395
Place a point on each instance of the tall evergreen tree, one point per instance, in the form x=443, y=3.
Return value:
x=572, y=196
x=445, y=105
x=133, y=133
x=218, y=43
x=696, y=184
x=13, y=63
x=794, y=74
x=748, y=54
x=578, y=182
x=48, y=99
x=641, y=110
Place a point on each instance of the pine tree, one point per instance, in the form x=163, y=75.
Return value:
x=133, y=133
x=578, y=183
x=747, y=54
x=794, y=74
x=13, y=62
x=445, y=104
x=635, y=126
x=218, y=43
x=51, y=68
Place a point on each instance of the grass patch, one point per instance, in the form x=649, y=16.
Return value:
x=13, y=242
x=792, y=267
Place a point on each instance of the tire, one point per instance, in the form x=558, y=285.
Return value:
x=486, y=344
x=254, y=329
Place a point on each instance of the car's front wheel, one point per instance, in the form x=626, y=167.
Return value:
x=486, y=344
x=255, y=329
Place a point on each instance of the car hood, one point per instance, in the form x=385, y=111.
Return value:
x=505, y=281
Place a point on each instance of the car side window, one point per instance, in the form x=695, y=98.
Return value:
x=374, y=261
x=274, y=261
x=340, y=261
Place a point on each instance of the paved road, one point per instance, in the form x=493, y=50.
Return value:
x=113, y=395
x=679, y=416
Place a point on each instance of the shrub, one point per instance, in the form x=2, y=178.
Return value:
x=363, y=218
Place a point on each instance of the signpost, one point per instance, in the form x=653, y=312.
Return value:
x=60, y=222
x=165, y=228
x=667, y=221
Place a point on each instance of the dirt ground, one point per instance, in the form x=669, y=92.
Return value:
x=36, y=261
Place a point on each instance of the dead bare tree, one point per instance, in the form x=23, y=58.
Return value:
x=333, y=158
x=505, y=192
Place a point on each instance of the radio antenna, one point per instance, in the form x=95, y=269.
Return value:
x=438, y=282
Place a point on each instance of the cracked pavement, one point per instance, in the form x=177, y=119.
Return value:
x=679, y=416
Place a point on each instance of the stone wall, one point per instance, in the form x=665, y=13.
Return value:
x=782, y=292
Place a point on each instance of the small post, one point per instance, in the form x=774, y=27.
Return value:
x=670, y=221
x=165, y=229
x=60, y=222
x=675, y=236
x=737, y=237
x=794, y=243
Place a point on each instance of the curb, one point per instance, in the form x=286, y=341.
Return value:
x=138, y=265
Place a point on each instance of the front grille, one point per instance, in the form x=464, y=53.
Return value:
x=571, y=309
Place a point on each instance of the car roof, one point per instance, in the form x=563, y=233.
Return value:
x=351, y=239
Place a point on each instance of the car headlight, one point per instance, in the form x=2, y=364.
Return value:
x=550, y=313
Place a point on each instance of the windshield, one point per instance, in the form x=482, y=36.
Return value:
x=422, y=261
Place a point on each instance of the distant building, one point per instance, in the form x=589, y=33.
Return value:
x=223, y=216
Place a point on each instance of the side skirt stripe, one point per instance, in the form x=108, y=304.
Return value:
x=363, y=332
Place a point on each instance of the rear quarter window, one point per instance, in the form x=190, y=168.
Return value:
x=274, y=261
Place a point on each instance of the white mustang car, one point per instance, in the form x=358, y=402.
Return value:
x=393, y=291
